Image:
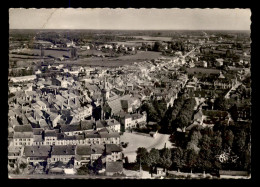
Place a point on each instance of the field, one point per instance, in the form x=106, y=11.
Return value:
x=54, y=53
x=141, y=55
x=115, y=61
x=91, y=52
x=136, y=140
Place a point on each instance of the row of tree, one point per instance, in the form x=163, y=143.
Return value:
x=178, y=116
x=154, y=109
x=203, y=152
x=154, y=158
x=176, y=46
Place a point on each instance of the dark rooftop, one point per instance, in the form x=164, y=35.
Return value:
x=112, y=148
x=50, y=133
x=42, y=150
x=83, y=150
x=23, y=128
x=63, y=150
x=69, y=128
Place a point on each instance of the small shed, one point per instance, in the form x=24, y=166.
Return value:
x=159, y=171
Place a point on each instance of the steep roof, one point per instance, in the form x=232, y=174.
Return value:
x=92, y=135
x=38, y=138
x=35, y=151
x=100, y=123
x=37, y=131
x=97, y=149
x=49, y=133
x=116, y=105
x=70, y=128
x=83, y=150
x=63, y=150
x=111, y=122
x=87, y=124
x=23, y=135
x=23, y=128
x=112, y=148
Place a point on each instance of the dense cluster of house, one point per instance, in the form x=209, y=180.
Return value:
x=51, y=114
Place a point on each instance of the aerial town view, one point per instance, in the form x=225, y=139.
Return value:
x=129, y=94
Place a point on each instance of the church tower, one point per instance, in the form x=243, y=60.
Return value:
x=105, y=91
x=105, y=96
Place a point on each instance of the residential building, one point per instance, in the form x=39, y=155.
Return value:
x=62, y=153
x=113, y=153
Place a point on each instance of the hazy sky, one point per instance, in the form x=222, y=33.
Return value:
x=221, y=19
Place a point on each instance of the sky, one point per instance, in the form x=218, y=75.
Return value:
x=130, y=19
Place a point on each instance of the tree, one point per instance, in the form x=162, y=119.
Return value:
x=247, y=159
x=234, y=112
x=190, y=158
x=165, y=159
x=221, y=103
x=83, y=170
x=216, y=143
x=205, y=154
x=182, y=121
x=178, y=158
x=228, y=139
x=141, y=154
x=157, y=46
x=97, y=165
x=193, y=146
x=152, y=114
x=240, y=141
x=152, y=159
x=195, y=137
x=23, y=166
x=166, y=121
x=205, y=142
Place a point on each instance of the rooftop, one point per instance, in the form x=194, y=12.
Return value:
x=112, y=148
x=83, y=150
x=31, y=151
x=23, y=128
x=63, y=150
x=49, y=133
x=70, y=128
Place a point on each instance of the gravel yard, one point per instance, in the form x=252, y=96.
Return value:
x=136, y=140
